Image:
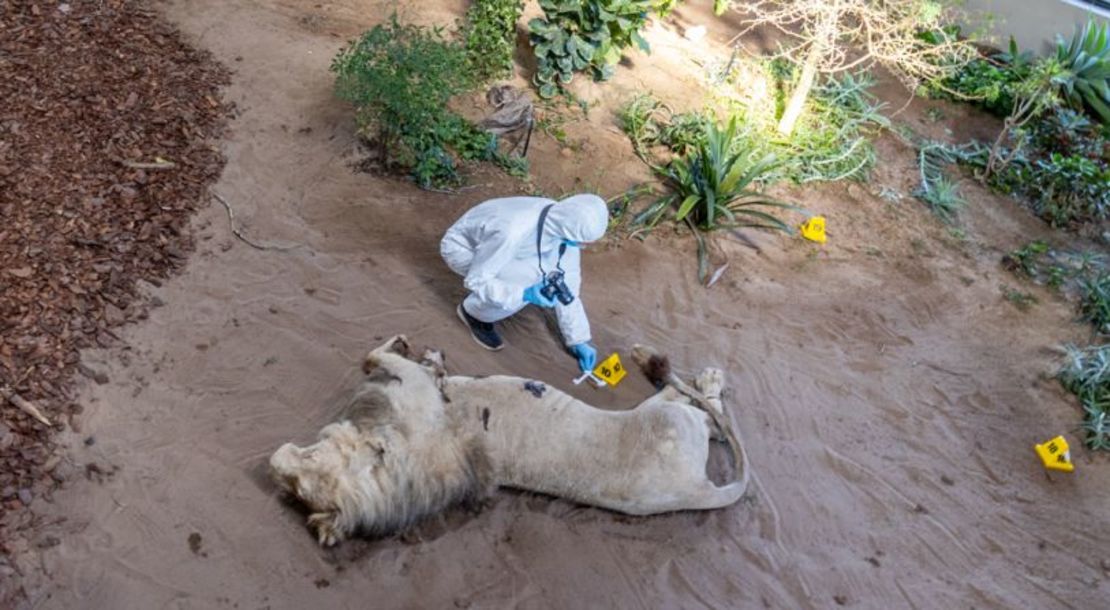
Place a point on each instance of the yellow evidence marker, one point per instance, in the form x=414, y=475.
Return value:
x=611, y=371
x=1055, y=455
x=814, y=229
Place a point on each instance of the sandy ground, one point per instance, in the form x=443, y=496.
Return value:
x=888, y=394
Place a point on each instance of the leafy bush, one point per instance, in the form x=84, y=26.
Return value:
x=1071, y=271
x=1087, y=375
x=833, y=140
x=579, y=35
x=1087, y=60
x=1061, y=166
x=649, y=123
x=1052, y=157
x=400, y=78
x=490, y=35
x=1095, y=306
x=830, y=142
x=987, y=82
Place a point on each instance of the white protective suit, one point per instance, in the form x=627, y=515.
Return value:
x=493, y=246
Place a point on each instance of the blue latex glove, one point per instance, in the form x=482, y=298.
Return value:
x=586, y=354
x=532, y=295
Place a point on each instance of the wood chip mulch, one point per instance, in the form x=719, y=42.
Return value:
x=109, y=136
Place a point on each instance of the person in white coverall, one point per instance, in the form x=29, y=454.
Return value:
x=494, y=247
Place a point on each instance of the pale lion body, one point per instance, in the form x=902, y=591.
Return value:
x=414, y=441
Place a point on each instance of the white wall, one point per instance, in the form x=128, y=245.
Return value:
x=1034, y=23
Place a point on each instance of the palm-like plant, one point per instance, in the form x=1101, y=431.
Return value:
x=714, y=186
x=1087, y=60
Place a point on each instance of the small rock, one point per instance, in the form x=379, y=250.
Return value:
x=25, y=496
x=113, y=315
x=99, y=377
x=90, y=441
x=566, y=152
x=21, y=272
x=195, y=541
x=62, y=472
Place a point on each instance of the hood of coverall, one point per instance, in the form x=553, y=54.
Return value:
x=581, y=218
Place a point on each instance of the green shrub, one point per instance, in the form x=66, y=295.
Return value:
x=579, y=35
x=1087, y=60
x=1067, y=270
x=400, y=78
x=1061, y=167
x=987, y=82
x=1087, y=375
x=1095, y=306
x=649, y=122
x=490, y=34
x=832, y=141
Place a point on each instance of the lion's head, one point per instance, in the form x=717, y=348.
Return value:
x=389, y=460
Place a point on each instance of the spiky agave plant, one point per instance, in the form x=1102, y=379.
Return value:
x=714, y=186
x=942, y=195
x=1087, y=375
x=1095, y=306
x=1087, y=60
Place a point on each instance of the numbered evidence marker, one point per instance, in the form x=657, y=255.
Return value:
x=1055, y=455
x=609, y=372
x=814, y=229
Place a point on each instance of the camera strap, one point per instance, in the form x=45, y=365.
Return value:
x=539, y=239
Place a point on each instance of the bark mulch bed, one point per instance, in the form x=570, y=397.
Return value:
x=109, y=129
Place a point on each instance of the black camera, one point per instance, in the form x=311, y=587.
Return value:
x=555, y=288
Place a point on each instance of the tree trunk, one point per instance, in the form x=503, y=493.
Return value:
x=801, y=92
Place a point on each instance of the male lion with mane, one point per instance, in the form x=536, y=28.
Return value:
x=413, y=441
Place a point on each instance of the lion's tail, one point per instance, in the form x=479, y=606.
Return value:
x=740, y=463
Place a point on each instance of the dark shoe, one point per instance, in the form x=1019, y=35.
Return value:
x=483, y=332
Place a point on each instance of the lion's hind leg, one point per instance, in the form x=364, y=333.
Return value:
x=711, y=383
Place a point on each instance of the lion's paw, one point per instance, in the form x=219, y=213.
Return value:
x=397, y=344
x=326, y=528
x=710, y=382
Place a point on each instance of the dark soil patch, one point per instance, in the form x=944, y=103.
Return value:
x=88, y=89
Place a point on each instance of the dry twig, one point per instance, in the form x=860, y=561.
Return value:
x=24, y=405
x=154, y=165
x=235, y=231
